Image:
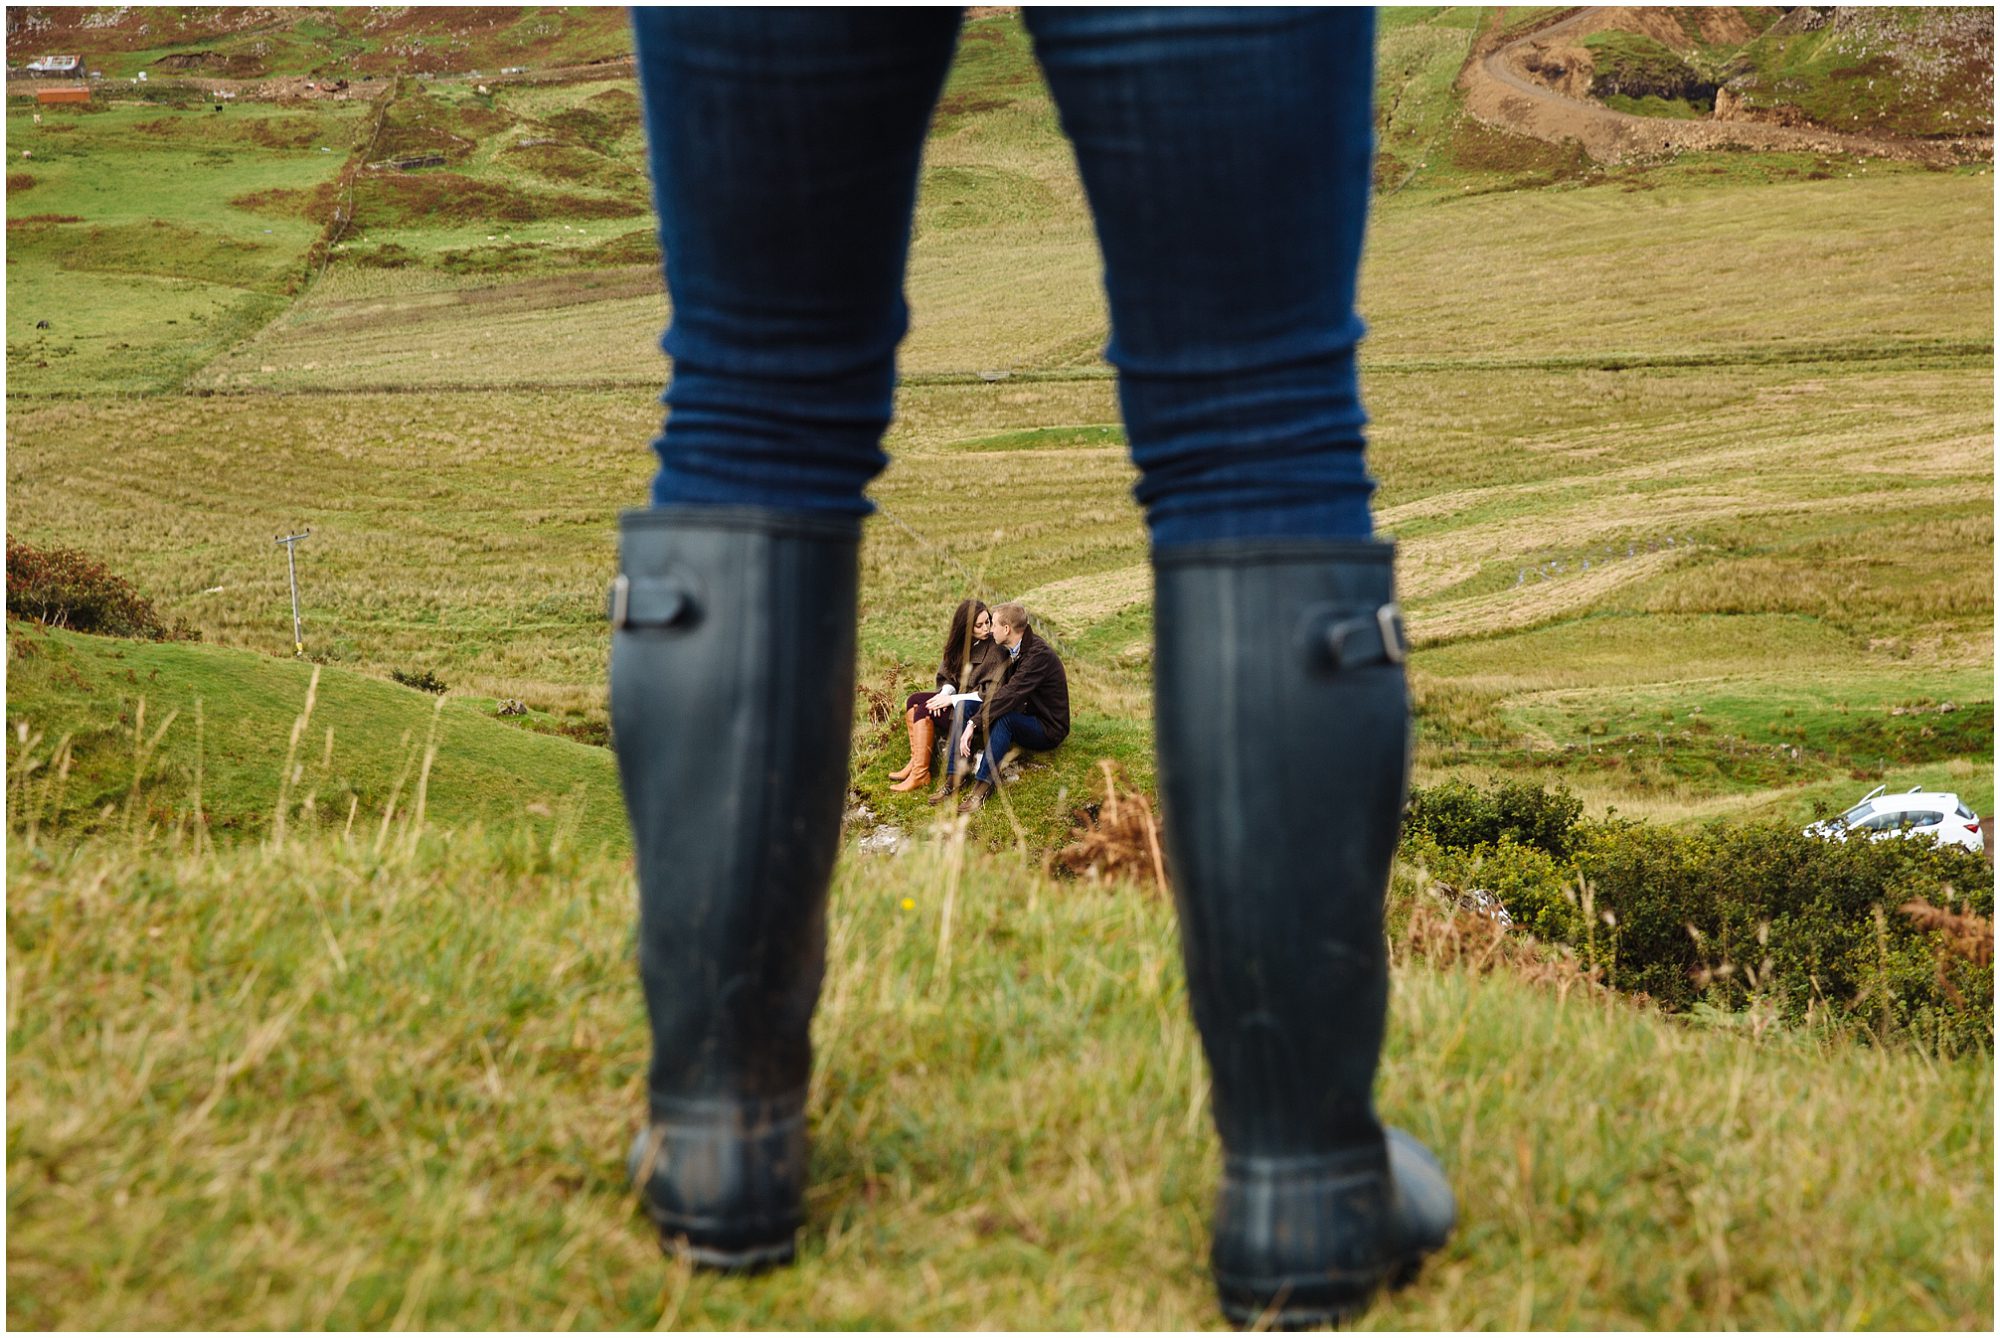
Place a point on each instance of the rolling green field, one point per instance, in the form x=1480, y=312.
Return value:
x=1689, y=464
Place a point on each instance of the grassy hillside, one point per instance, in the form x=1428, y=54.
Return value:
x=143, y=240
x=1667, y=456
x=394, y=1091
x=202, y=41
x=1911, y=70
x=116, y=736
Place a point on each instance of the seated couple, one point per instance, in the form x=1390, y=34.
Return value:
x=996, y=678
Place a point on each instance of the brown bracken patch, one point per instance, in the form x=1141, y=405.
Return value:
x=1117, y=840
x=1962, y=935
x=281, y=202
x=1444, y=931
x=450, y=197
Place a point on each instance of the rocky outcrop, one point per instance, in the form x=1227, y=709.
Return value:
x=1561, y=68
x=1502, y=91
x=1678, y=83
x=1730, y=105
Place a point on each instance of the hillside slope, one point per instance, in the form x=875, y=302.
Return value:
x=155, y=730
x=322, y=1088
x=256, y=42
x=1628, y=82
x=1689, y=461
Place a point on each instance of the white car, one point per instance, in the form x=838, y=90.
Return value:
x=1918, y=812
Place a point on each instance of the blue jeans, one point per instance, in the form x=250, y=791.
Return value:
x=954, y=725
x=1016, y=729
x=1226, y=154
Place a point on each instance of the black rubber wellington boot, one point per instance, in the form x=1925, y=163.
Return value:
x=1282, y=718
x=732, y=701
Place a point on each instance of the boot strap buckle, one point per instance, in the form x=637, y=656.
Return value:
x=1395, y=642
x=1374, y=639
x=648, y=604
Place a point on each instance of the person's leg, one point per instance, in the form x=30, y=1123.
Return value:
x=913, y=707
x=784, y=146
x=955, y=766
x=923, y=734
x=1015, y=730
x=999, y=738
x=1227, y=155
x=784, y=158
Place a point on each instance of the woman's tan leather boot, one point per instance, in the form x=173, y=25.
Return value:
x=923, y=733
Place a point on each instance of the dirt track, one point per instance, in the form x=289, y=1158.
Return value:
x=1499, y=91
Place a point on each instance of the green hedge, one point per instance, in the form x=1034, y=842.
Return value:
x=1456, y=815
x=1726, y=915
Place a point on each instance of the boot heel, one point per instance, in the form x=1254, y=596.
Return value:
x=1304, y=1241
x=725, y=1185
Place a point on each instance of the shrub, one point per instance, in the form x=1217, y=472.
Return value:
x=1457, y=815
x=596, y=733
x=1730, y=914
x=66, y=587
x=424, y=681
x=1535, y=887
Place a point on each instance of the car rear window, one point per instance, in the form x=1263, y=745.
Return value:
x=1966, y=813
x=1923, y=817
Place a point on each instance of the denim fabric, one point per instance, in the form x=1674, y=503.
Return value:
x=1226, y=154
x=961, y=713
x=1016, y=729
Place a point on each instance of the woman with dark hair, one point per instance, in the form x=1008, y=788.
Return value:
x=966, y=663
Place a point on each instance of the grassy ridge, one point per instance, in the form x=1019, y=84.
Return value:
x=1790, y=557
x=260, y=1084
x=157, y=732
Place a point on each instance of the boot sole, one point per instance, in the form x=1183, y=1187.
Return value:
x=739, y=1259
x=1311, y=1302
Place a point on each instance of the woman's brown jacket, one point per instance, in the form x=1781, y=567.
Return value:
x=980, y=672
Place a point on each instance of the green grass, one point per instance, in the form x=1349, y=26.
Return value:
x=1677, y=109
x=140, y=287
x=111, y=736
x=325, y=1086
x=120, y=334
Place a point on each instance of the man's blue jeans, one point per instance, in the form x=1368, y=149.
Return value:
x=1226, y=154
x=1017, y=729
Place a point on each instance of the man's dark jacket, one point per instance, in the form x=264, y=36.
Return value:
x=1035, y=685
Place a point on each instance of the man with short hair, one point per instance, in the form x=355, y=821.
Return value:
x=1030, y=708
